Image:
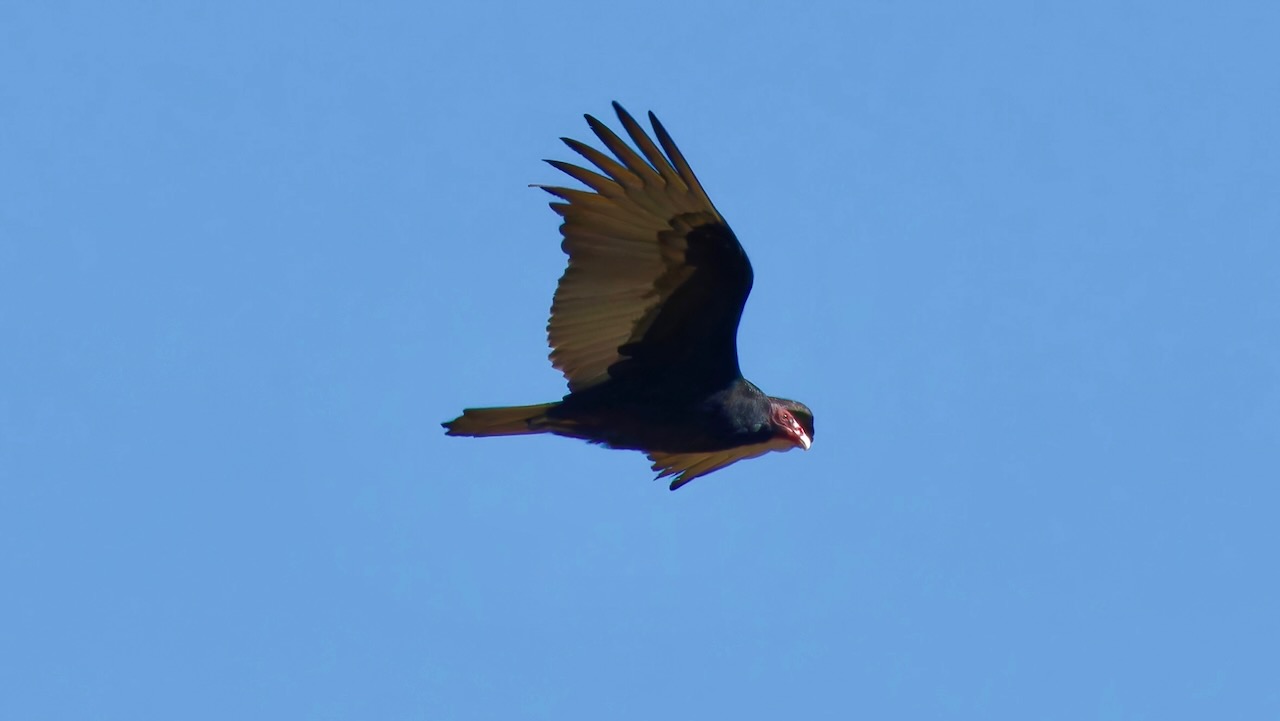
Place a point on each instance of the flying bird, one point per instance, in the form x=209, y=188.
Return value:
x=644, y=323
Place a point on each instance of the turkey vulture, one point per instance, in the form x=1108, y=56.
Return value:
x=644, y=323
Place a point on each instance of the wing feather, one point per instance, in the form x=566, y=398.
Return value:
x=597, y=182
x=682, y=165
x=611, y=167
x=633, y=267
x=642, y=169
x=688, y=466
x=651, y=152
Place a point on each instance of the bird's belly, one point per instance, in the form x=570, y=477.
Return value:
x=650, y=427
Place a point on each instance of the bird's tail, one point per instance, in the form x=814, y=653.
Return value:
x=506, y=421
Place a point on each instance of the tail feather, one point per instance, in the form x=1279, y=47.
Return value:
x=506, y=421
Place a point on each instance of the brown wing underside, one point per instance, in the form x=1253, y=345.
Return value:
x=688, y=466
x=629, y=248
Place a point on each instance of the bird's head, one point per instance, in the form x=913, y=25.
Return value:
x=792, y=421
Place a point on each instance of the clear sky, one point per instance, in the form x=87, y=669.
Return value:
x=1021, y=259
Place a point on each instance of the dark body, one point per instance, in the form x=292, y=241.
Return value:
x=644, y=417
x=644, y=323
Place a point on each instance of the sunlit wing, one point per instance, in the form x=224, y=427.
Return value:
x=655, y=278
x=688, y=466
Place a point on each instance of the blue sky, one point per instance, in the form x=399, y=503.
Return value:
x=1021, y=259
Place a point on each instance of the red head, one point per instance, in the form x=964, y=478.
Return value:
x=792, y=421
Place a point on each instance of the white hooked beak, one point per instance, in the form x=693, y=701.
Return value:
x=804, y=441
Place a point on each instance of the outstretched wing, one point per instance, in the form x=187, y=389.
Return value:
x=656, y=279
x=688, y=466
